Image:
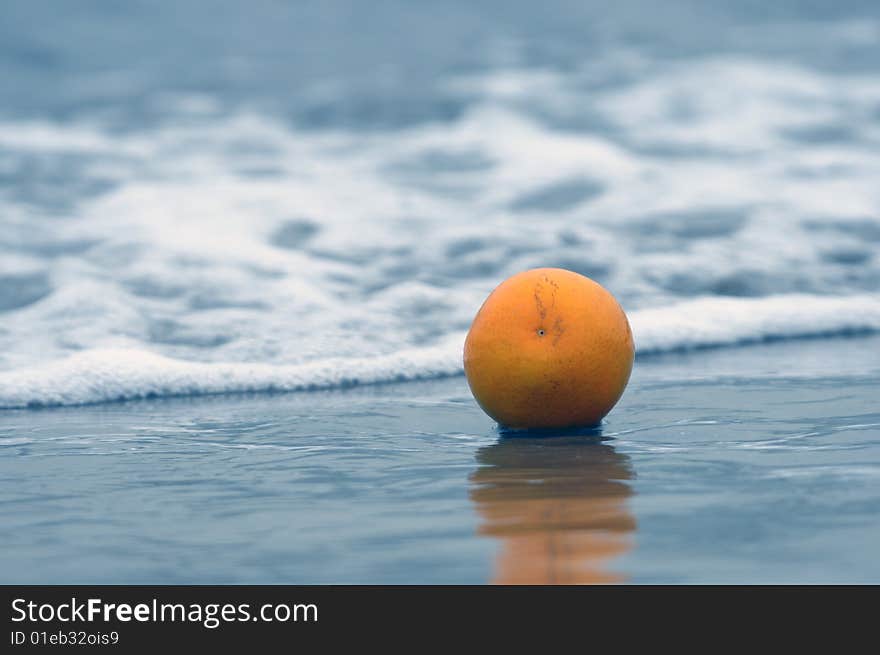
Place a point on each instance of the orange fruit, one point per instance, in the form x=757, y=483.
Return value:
x=549, y=348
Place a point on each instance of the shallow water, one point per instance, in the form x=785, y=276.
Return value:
x=759, y=468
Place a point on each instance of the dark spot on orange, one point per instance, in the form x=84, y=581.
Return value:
x=542, y=311
x=558, y=330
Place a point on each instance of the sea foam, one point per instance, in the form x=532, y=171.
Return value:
x=98, y=375
x=233, y=250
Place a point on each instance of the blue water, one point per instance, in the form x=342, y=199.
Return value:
x=239, y=254
x=741, y=475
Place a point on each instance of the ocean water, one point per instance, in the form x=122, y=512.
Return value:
x=754, y=466
x=216, y=233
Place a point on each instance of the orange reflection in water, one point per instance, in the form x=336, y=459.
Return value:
x=558, y=506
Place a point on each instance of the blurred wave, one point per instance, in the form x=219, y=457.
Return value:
x=225, y=237
x=100, y=375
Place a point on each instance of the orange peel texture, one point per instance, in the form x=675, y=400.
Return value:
x=549, y=348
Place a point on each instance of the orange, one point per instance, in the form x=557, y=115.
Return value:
x=549, y=348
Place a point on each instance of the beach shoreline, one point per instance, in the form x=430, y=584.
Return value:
x=742, y=465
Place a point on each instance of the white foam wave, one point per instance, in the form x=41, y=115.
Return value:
x=97, y=376
x=706, y=322
x=104, y=375
x=237, y=251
